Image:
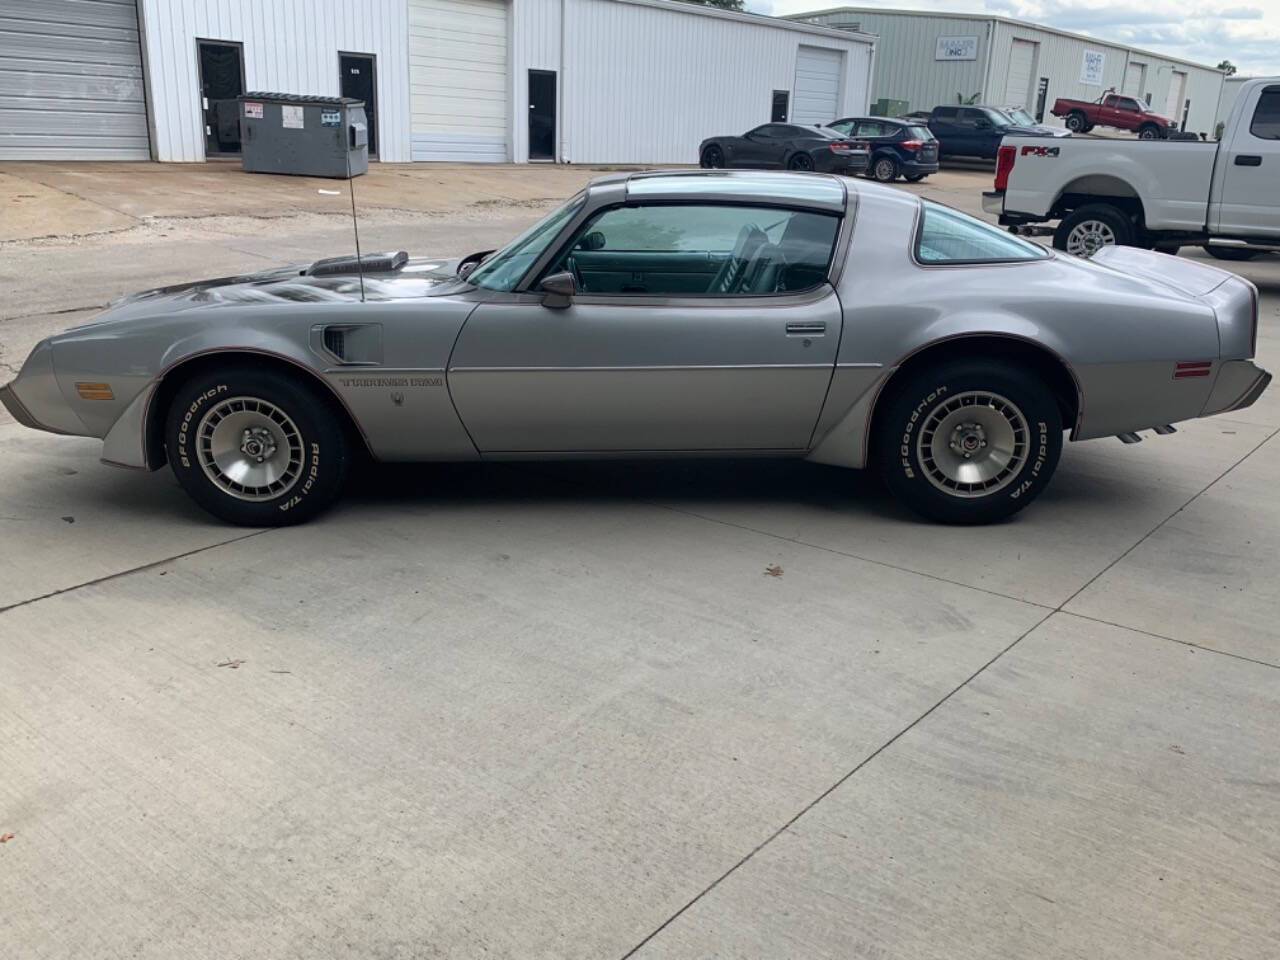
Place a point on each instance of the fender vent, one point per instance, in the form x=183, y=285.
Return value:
x=387, y=262
x=335, y=341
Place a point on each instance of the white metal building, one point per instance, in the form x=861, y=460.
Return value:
x=929, y=59
x=615, y=81
x=584, y=81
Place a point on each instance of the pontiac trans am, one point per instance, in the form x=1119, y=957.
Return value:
x=661, y=314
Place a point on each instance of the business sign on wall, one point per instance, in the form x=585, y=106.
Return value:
x=1091, y=68
x=956, y=48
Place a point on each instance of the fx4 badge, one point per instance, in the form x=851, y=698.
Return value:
x=1041, y=151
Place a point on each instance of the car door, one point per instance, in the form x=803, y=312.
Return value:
x=755, y=148
x=943, y=126
x=1249, y=196
x=636, y=362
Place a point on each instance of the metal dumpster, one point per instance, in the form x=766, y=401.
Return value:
x=309, y=136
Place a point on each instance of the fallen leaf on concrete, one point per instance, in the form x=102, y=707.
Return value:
x=773, y=570
x=233, y=664
x=1178, y=750
x=69, y=519
x=5, y=837
x=281, y=671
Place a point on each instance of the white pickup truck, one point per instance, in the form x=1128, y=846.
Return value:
x=1224, y=196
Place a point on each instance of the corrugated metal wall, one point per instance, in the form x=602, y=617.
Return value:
x=645, y=81
x=459, y=79
x=289, y=45
x=71, y=81
x=905, y=64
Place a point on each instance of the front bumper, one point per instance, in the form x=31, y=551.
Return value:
x=921, y=168
x=10, y=401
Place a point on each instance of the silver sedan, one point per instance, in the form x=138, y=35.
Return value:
x=693, y=313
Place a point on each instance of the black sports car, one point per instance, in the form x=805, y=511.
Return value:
x=786, y=146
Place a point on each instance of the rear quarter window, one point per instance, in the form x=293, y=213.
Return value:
x=946, y=236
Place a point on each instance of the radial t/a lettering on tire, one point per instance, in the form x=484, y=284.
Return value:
x=969, y=441
x=255, y=447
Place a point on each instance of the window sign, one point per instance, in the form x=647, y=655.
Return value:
x=1091, y=68
x=956, y=48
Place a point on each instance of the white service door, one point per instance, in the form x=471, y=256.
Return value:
x=1173, y=104
x=458, y=80
x=816, y=98
x=1134, y=74
x=1017, y=86
x=1250, y=201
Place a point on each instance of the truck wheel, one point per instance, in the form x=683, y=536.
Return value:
x=255, y=447
x=1085, y=231
x=1149, y=131
x=969, y=441
x=1077, y=122
x=1230, y=253
x=915, y=177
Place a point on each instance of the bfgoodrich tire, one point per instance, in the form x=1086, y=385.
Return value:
x=969, y=441
x=255, y=447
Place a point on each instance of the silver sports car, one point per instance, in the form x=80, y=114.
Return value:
x=692, y=313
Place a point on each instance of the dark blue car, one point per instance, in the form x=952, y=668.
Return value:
x=898, y=147
x=974, y=131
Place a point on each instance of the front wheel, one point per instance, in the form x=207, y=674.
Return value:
x=969, y=441
x=255, y=447
x=915, y=177
x=1085, y=231
x=712, y=158
x=1149, y=131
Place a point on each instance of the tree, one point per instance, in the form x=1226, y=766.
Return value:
x=1227, y=67
x=723, y=4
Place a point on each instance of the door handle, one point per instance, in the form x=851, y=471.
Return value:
x=1248, y=160
x=806, y=328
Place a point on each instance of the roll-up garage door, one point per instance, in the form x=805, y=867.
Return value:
x=71, y=81
x=458, y=79
x=1017, y=86
x=1134, y=74
x=816, y=98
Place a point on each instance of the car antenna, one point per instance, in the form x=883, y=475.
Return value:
x=355, y=224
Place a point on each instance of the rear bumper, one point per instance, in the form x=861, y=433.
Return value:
x=1239, y=384
x=993, y=202
x=848, y=165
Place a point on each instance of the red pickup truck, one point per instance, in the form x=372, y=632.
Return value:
x=1113, y=110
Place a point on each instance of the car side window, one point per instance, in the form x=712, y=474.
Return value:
x=1126, y=104
x=945, y=113
x=1266, y=115
x=870, y=129
x=700, y=249
x=949, y=236
x=843, y=127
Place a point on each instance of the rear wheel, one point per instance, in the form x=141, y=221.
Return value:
x=801, y=161
x=884, y=168
x=1085, y=231
x=255, y=447
x=1230, y=253
x=1077, y=122
x=712, y=158
x=969, y=441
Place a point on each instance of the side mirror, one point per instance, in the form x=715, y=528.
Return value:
x=558, y=290
x=592, y=241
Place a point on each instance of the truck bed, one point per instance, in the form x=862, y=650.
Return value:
x=1170, y=177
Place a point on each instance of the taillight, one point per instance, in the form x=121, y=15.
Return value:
x=1004, y=166
x=912, y=145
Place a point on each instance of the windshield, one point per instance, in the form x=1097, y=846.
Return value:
x=503, y=269
x=1021, y=116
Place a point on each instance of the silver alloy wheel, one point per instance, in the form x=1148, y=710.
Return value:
x=249, y=448
x=1088, y=237
x=884, y=169
x=973, y=444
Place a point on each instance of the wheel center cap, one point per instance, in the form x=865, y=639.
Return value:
x=968, y=439
x=258, y=443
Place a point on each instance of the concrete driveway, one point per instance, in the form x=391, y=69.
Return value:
x=654, y=710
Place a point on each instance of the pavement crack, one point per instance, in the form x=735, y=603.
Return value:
x=138, y=569
x=1161, y=636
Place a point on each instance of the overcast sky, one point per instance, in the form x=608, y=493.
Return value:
x=1246, y=32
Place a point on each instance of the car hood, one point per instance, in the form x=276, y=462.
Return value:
x=325, y=281
x=1018, y=130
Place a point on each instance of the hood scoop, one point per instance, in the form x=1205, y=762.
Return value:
x=388, y=262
